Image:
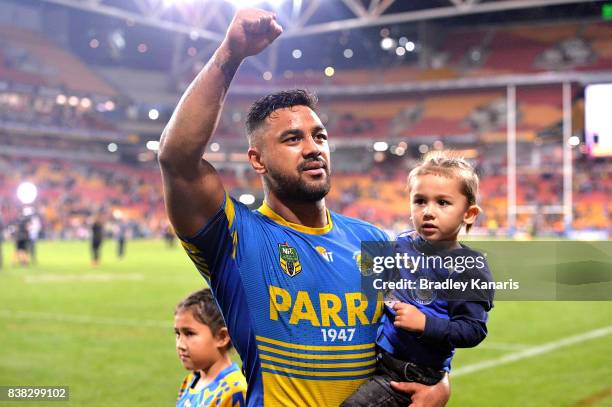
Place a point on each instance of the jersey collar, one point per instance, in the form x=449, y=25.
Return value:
x=265, y=210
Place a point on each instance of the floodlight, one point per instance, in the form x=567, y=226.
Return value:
x=27, y=193
x=153, y=114
x=381, y=146
x=153, y=145
x=387, y=43
x=247, y=199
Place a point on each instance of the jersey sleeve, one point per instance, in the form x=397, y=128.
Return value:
x=214, y=248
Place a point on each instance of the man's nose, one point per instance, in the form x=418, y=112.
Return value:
x=311, y=148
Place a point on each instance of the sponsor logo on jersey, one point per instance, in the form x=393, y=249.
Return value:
x=324, y=309
x=423, y=296
x=329, y=256
x=365, y=263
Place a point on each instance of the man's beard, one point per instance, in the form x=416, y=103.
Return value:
x=296, y=189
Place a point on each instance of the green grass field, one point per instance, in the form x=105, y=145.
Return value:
x=107, y=334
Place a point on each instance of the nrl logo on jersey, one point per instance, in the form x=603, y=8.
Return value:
x=289, y=259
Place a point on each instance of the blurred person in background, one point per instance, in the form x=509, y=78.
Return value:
x=22, y=242
x=97, y=237
x=1, y=240
x=121, y=229
x=34, y=229
x=169, y=235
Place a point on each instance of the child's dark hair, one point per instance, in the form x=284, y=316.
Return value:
x=204, y=308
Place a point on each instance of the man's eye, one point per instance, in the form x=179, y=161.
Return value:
x=321, y=136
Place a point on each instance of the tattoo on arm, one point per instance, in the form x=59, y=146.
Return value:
x=228, y=69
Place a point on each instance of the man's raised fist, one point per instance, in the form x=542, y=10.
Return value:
x=250, y=32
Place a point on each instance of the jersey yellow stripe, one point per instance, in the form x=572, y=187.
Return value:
x=317, y=374
x=318, y=365
x=317, y=356
x=196, y=259
x=230, y=211
x=199, y=262
x=337, y=348
x=235, y=243
x=264, y=209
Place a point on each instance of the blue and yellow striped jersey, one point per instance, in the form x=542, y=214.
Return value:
x=291, y=298
x=228, y=389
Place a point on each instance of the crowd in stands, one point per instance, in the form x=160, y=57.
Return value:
x=71, y=194
x=31, y=58
x=476, y=52
x=46, y=86
x=46, y=112
x=471, y=53
x=468, y=113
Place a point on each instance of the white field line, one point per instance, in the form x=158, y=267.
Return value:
x=504, y=346
x=533, y=351
x=89, y=278
x=86, y=319
x=512, y=357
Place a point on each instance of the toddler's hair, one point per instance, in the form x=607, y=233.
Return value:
x=449, y=165
x=204, y=308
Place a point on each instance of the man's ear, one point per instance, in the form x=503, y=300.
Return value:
x=255, y=159
x=471, y=214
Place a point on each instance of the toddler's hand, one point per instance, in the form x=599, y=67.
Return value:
x=408, y=317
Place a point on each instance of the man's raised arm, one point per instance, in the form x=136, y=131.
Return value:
x=192, y=188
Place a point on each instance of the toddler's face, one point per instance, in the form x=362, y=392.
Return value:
x=196, y=346
x=438, y=208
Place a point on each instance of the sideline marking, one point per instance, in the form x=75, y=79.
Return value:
x=504, y=346
x=85, y=319
x=533, y=351
x=89, y=278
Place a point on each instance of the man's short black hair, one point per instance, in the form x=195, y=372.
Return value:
x=263, y=107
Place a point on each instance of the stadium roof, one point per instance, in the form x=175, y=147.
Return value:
x=175, y=37
x=209, y=18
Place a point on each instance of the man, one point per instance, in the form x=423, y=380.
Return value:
x=22, y=242
x=286, y=276
x=34, y=231
x=1, y=239
x=97, y=237
x=121, y=235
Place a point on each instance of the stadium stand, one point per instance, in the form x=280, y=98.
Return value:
x=28, y=51
x=77, y=178
x=71, y=191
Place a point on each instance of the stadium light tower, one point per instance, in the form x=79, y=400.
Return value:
x=27, y=193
